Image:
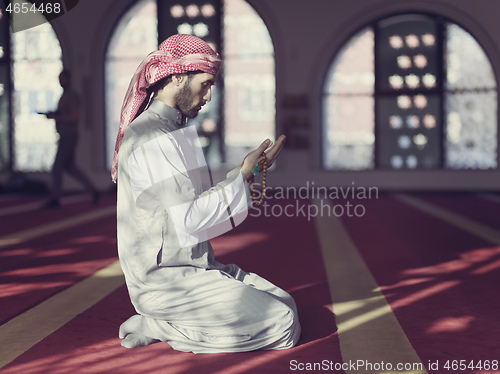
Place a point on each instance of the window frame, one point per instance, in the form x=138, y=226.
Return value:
x=441, y=22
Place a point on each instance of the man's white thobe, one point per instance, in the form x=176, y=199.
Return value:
x=166, y=213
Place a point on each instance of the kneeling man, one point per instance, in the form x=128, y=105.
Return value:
x=167, y=211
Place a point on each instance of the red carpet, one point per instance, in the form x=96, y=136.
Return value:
x=89, y=343
x=439, y=280
x=26, y=220
x=36, y=269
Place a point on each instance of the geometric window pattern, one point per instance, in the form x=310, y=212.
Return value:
x=423, y=116
x=407, y=89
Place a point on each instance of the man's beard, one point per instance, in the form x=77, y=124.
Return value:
x=184, y=100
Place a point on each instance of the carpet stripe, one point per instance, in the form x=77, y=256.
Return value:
x=24, y=235
x=367, y=327
x=23, y=208
x=29, y=328
x=490, y=197
x=19, y=208
x=89, y=342
x=483, y=231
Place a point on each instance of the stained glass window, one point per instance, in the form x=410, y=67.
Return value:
x=418, y=117
x=245, y=86
x=36, y=66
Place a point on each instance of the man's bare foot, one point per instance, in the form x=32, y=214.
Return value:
x=133, y=331
x=137, y=340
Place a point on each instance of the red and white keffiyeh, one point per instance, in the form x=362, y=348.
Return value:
x=176, y=55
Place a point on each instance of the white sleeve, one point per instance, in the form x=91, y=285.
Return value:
x=170, y=164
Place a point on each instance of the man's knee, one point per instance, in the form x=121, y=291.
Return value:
x=295, y=330
x=291, y=331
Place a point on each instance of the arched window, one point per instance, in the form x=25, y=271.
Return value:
x=245, y=86
x=249, y=80
x=30, y=63
x=410, y=92
x=36, y=66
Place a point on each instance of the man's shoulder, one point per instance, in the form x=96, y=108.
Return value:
x=149, y=122
x=145, y=128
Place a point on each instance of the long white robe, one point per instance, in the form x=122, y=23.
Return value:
x=166, y=213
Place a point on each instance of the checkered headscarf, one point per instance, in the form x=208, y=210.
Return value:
x=176, y=55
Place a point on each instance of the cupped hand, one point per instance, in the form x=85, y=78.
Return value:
x=254, y=157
